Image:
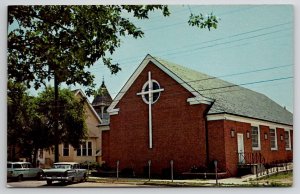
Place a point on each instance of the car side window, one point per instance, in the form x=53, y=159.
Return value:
x=17, y=166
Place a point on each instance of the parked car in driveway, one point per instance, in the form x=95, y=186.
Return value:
x=21, y=170
x=65, y=172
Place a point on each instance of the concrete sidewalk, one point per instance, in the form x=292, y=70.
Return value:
x=186, y=182
x=247, y=180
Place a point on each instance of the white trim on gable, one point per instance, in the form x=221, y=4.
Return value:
x=114, y=111
x=198, y=99
x=89, y=104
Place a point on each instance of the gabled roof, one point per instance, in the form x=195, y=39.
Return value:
x=224, y=96
x=79, y=91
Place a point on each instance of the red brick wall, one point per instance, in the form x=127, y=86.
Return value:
x=178, y=128
x=273, y=155
x=231, y=143
x=231, y=157
x=216, y=143
x=178, y=132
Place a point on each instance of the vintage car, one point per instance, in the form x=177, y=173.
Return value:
x=21, y=170
x=65, y=172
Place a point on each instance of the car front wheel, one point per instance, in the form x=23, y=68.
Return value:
x=20, y=177
x=38, y=176
x=83, y=178
x=49, y=182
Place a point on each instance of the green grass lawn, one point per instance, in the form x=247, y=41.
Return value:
x=281, y=176
x=277, y=180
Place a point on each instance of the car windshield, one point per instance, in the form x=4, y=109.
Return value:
x=63, y=166
x=9, y=165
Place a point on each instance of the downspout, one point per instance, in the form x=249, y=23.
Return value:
x=206, y=133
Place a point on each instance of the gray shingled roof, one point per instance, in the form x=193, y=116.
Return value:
x=233, y=100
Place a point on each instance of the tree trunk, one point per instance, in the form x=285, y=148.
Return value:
x=35, y=151
x=13, y=153
x=56, y=150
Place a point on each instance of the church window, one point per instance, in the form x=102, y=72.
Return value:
x=89, y=148
x=155, y=92
x=255, y=138
x=66, y=150
x=287, y=140
x=85, y=149
x=273, y=139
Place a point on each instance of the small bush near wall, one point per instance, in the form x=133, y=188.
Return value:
x=198, y=169
x=90, y=165
x=127, y=172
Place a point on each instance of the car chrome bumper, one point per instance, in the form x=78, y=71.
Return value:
x=57, y=178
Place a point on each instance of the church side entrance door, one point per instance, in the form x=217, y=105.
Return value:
x=240, y=142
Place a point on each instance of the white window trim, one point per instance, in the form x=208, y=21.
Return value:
x=87, y=148
x=63, y=146
x=290, y=146
x=276, y=145
x=258, y=137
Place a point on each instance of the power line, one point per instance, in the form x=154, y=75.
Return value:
x=228, y=75
x=214, y=40
x=226, y=47
x=237, y=45
x=189, y=8
x=249, y=83
x=241, y=73
x=235, y=90
x=224, y=43
x=217, y=88
x=232, y=36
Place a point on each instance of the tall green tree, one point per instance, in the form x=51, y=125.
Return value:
x=62, y=42
x=18, y=113
x=45, y=41
x=31, y=120
x=72, y=127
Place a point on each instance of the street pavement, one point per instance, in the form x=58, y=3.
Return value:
x=42, y=184
x=135, y=182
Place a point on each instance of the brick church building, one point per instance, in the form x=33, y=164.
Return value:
x=166, y=112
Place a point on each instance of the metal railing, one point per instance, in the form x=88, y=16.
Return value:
x=250, y=158
x=276, y=168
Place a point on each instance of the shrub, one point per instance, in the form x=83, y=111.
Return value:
x=198, y=169
x=127, y=172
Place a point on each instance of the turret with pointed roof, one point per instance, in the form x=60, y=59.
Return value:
x=101, y=102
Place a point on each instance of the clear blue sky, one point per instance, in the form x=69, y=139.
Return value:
x=248, y=38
